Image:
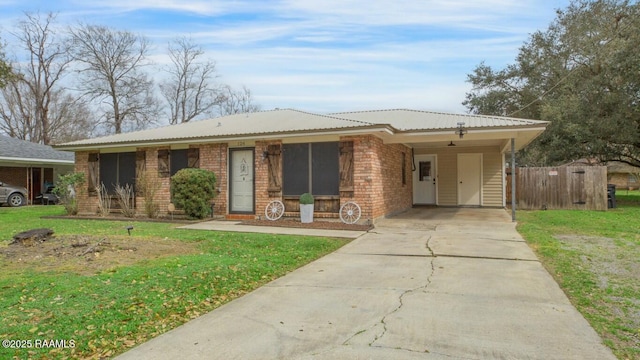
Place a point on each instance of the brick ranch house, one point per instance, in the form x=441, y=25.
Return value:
x=386, y=161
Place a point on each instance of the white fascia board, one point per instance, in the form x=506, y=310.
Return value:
x=36, y=161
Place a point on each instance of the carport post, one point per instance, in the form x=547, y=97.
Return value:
x=513, y=179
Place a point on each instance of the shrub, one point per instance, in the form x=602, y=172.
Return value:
x=192, y=190
x=306, y=199
x=147, y=186
x=126, y=199
x=104, y=200
x=66, y=191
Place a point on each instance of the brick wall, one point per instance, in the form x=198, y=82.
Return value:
x=16, y=176
x=378, y=186
x=163, y=194
x=214, y=157
x=261, y=176
x=87, y=205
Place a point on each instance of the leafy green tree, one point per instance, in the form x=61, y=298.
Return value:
x=581, y=74
x=5, y=68
x=66, y=188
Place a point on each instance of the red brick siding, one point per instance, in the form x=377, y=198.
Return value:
x=378, y=187
x=87, y=205
x=213, y=157
x=16, y=176
x=261, y=178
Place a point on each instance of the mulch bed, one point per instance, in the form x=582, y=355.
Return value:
x=316, y=224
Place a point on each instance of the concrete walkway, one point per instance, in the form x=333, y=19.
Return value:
x=429, y=284
x=235, y=226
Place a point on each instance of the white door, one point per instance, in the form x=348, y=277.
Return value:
x=241, y=200
x=424, y=180
x=470, y=179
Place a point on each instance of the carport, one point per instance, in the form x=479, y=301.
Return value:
x=457, y=160
x=23, y=163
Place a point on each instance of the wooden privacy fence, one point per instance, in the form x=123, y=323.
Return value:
x=570, y=187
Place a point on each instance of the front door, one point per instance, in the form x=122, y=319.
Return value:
x=241, y=199
x=470, y=179
x=424, y=180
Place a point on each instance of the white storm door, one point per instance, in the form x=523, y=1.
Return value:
x=242, y=192
x=424, y=180
x=470, y=179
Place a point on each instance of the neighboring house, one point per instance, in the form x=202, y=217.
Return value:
x=23, y=163
x=386, y=161
x=623, y=176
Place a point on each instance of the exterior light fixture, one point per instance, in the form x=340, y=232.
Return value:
x=451, y=143
x=460, y=131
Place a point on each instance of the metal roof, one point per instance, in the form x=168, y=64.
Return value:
x=289, y=121
x=12, y=149
x=406, y=120
x=256, y=123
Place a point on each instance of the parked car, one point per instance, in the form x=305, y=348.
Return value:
x=48, y=197
x=12, y=195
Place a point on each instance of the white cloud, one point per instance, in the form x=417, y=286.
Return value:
x=332, y=55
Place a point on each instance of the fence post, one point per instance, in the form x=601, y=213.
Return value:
x=513, y=179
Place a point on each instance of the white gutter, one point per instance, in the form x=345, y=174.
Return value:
x=37, y=161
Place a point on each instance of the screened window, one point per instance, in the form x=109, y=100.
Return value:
x=295, y=169
x=312, y=168
x=117, y=169
x=172, y=161
x=179, y=160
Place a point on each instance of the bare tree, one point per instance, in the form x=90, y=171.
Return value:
x=69, y=118
x=48, y=59
x=236, y=101
x=112, y=63
x=189, y=90
x=16, y=110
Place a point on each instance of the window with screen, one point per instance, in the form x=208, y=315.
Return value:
x=325, y=168
x=117, y=169
x=179, y=160
x=312, y=168
x=295, y=169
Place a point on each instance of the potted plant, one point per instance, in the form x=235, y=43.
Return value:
x=306, y=208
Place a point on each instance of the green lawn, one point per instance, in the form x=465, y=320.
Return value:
x=595, y=258
x=111, y=311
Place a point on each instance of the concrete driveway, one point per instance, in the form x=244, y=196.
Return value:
x=428, y=284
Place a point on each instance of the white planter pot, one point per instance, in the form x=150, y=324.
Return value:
x=306, y=213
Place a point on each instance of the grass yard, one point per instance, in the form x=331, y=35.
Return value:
x=595, y=257
x=135, y=288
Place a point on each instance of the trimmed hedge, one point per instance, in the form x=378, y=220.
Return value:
x=306, y=199
x=193, y=190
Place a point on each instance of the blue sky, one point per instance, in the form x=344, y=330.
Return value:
x=326, y=56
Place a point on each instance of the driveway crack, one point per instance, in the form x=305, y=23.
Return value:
x=383, y=321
